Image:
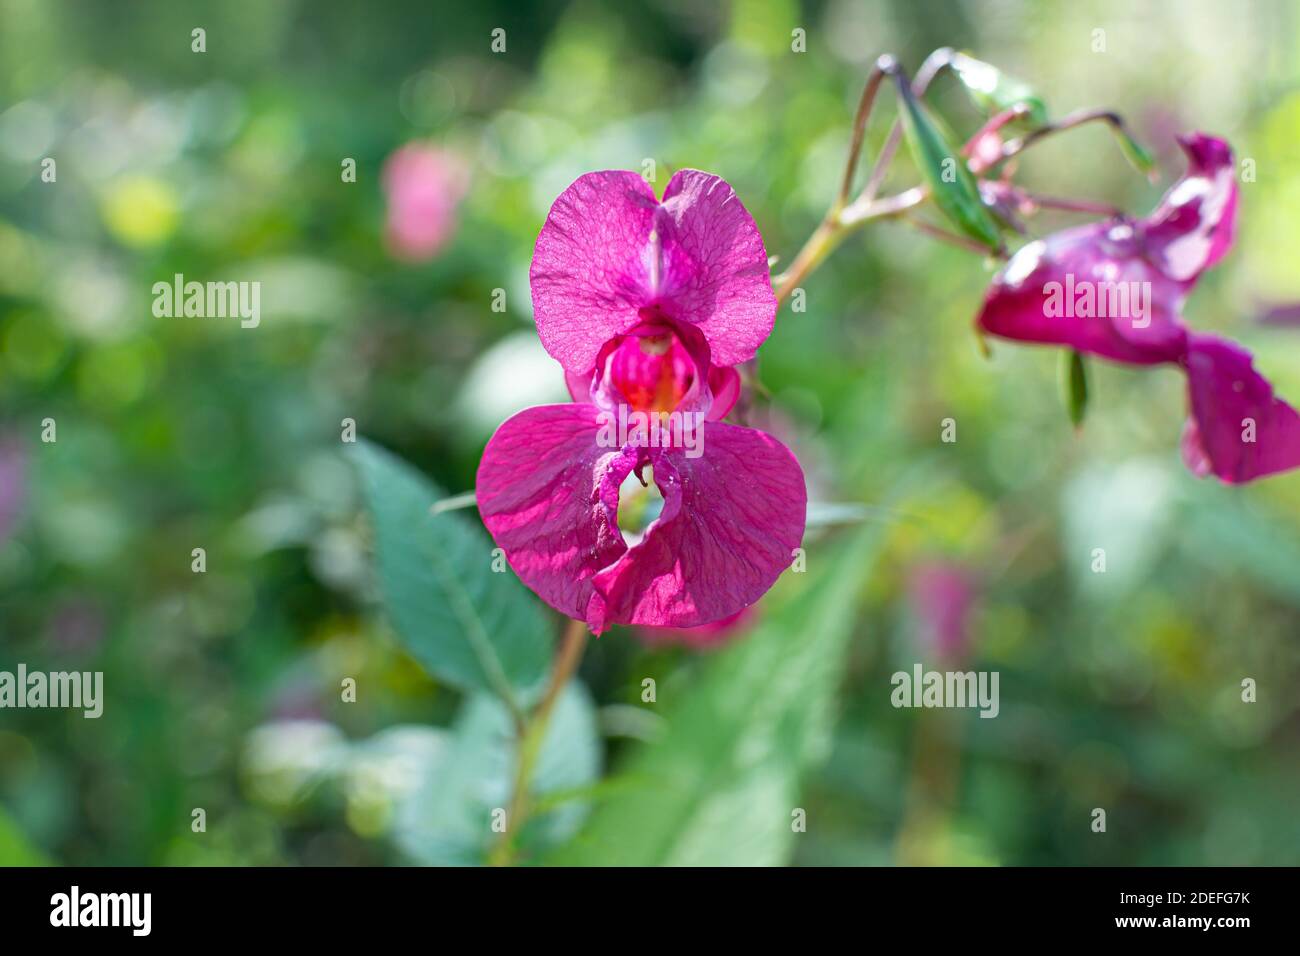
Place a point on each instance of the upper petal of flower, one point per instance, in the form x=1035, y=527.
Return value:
x=1193, y=226
x=715, y=272
x=1238, y=429
x=611, y=257
x=730, y=523
x=590, y=274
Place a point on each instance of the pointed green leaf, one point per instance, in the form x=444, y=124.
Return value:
x=1075, y=381
x=1138, y=157
x=951, y=183
x=718, y=787
x=995, y=91
x=446, y=819
x=466, y=624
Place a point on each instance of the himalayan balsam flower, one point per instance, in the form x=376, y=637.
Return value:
x=13, y=484
x=424, y=186
x=1116, y=289
x=942, y=595
x=648, y=305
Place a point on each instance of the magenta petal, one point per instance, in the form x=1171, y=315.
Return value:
x=1088, y=288
x=724, y=384
x=610, y=257
x=591, y=271
x=715, y=273
x=1193, y=452
x=1157, y=259
x=730, y=523
x=424, y=185
x=654, y=371
x=549, y=498
x=943, y=594
x=1193, y=226
x=13, y=484
x=579, y=385
x=1239, y=430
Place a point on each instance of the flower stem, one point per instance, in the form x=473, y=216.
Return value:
x=845, y=216
x=819, y=245
x=860, y=129
x=943, y=235
x=1077, y=205
x=834, y=228
x=1136, y=155
x=531, y=734
x=938, y=60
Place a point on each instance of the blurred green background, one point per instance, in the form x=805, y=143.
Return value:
x=1118, y=690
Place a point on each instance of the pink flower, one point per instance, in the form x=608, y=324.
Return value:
x=1116, y=289
x=424, y=185
x=77, y=625
x=13, y=484
x=1238, y=430
x=942, y=595
x=648, y=306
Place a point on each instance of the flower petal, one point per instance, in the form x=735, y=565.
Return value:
x=724, y=384
x=549, y=498
x=652, y=372
x=611, y=257
x=1238, y=430
x=579, y=385
x=1157, y=259
x=424, y=185
x=1193, y=226
x=730, y=523
x=590, y=274
x=1088, y=288
x=13, y=483
x=724, y=387
x=715, y=272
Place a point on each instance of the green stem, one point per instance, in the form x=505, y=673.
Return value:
x=860, y=129
x=1135, y=153
x=531, y=734
x=833, y=230
x=845, y=216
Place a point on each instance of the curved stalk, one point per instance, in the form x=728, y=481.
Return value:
x=531, y=734
x=833, y=230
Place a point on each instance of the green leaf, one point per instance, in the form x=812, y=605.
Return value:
x=995, y=91
x=720, y=785
x=1133, y=151
x=467, y=625
x=951, y=184
x=1074, y=375
x=447, y=819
